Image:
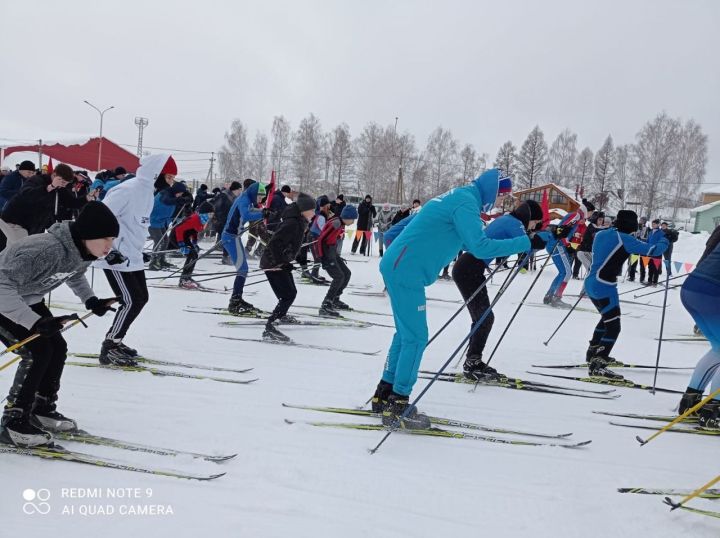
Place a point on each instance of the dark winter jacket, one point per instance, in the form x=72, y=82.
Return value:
x=10, y=186
x=337, y=208
x=277, y=208
x=672, y=237
x=400, y=215
x=222, y=202
x=366, y=214
x=588, y=238
x=36, y=265
x=285, y=242
x=201, y=196
x=35, y=208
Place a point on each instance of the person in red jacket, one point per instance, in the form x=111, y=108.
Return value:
x=186, y=235
x=334, y=265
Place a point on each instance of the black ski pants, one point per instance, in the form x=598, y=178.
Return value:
x=131, y=288
x=335, y=266
x=469, y=274
x=283, y=286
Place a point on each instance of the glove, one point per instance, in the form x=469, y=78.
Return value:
x=266, y=213
x=184, y=249
x=288, y=267
x=588, y=204
x=100, y=307
x=561, y=232
x=537, y=242
x=194, y=246
x=47, y=326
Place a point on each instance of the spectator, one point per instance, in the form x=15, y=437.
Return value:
x=12, y=183
x=366, y=214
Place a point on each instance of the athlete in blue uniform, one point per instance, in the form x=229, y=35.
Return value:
x=447, y=224
x=700, y=295
x=611, y=249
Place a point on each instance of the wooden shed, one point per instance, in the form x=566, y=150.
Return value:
x=561, y=200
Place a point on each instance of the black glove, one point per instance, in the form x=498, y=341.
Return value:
x=47, y=326
x=266, y=213
x=561, y=232
x=588, y=204
x=100, y=307
x=537, y=242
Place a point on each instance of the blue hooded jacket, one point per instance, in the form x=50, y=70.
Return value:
x=447, y=224
x=164, y=206
x=244, y=209
x=505, y=227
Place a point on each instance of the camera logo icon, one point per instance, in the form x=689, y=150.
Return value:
x=36, y=501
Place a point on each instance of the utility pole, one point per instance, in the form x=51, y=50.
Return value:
x=327, y=168
x=102, y=113
x=210, y=171
x=399, y=190
x=141, y=123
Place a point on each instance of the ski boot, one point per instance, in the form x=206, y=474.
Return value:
x=397, y=406
x=164, y=264
x=155, y=265
x=547, y=299
x=327, y=310
x=709, y=416
x=45, y=416
x=240, y=307
x=475, y=369
x=16, y=429
x=113, y=354
x=697, y=331
x=691, y=398
x=340, y=305
x=289, y=320
x=598, y=366
x=379, y=399
x=557, y=302
x=272, y=334
x=188, y=284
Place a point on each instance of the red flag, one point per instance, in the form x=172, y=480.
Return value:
x=545, y=209
x=50, y=167
x=270, y=192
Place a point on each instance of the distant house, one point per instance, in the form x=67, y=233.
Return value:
x=560, y=200
x=710, y=195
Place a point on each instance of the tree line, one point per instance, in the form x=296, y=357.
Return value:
x=662, y=168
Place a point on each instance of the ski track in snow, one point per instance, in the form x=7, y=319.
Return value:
x=301, y=481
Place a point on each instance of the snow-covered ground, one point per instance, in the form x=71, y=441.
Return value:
x=301, y=481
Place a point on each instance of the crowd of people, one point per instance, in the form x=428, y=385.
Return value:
x=56, y=225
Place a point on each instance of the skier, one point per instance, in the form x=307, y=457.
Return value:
x=672, y=237
x=186, y=236
x=700, y=294
x=277, y=260
x=322, y=214
x=366, y=215
x=168, y=198
x=446, y=224
x=560, y=256
x=131, y=202
x=245, y=208
x=655, y=263
x=29, y=269
x=611, y=249
x=332, y=263
x=469, y=274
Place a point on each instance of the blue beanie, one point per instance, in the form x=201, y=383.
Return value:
x=349, y=212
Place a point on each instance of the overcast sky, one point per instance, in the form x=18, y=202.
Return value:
x=489, y=71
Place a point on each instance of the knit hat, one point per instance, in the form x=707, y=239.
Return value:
x=588, y=205
x=120, y=171
x=349, y=212
x=536, y=212
x=27, y=165
x=305, y=202
x=170, y=167
x=323, y=201
x=95, y=221
x=626, y=221
x=235, y=185
x=340, y=197
x=286, y=188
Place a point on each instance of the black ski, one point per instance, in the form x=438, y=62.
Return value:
x=517, y=381
x=297, y=344
x=654, y=418
x=169, y=363
x=676, y=429
x=616, y=364
x=161, y=373
x=343, y=324
x=626, y=383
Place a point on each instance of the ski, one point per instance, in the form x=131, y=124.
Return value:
x=517, y=381
x=676, y=429
x=383, y=294
x=613, y=382
x=299, y=323
x=684, y=339
x=174, y=287
x=655, y=418
x=355, y=310
x=161, y=373
x=616, y=364
x=435, y=420
x=297, y=344
x=521, y=386
x=699, y=511
x=708, y=494
x=581, y=309
x=439, y=432
x=169, y=363
x=81, y=436
x=60, y=453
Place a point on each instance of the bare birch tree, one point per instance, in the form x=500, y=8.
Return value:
x=506, y=159
x=689, y=165
x=441, y=154
x=563, y=159
x=368, y=155
x=532, y=159
x=340, y=147
x=308, y=152
x=603, y=176
x=259, y=158
x=281, y=134
x=233, y=156
x=622, y=175
x=584, y=170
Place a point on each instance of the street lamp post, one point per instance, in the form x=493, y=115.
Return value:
x=102, y=113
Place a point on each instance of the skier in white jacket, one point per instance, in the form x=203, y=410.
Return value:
x=131, y=202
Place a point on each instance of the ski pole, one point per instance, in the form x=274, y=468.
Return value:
x=656, y=291
x=680, y=418
x=580, y=298
x=662, y=324
x=699, y=491
x=473, y=330
x=522, y=302
x=191, y=264
x=74, y=319
x=643, y=287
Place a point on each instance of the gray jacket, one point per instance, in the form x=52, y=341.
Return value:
x=34, y=266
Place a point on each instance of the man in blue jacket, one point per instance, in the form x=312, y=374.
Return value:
x=655, y=264
x=447, y=224
x=245, y=209
x=165, y=204
x=611, y=249
x=469, y=275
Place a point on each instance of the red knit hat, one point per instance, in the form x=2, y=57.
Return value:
x=170, y=167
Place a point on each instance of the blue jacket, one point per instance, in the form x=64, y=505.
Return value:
x=611, y=249
x=164, y=206
x=655, y=237
x=395, y=229
x=709, y=265
x=505, y=227
x=244, y=209
x=447, y=224
x=9, y=187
